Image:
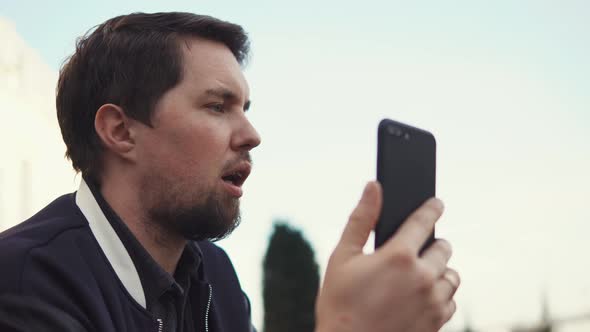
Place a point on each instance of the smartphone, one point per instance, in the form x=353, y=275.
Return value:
x=406, y=170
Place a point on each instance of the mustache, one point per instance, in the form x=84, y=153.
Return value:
x=242, y=157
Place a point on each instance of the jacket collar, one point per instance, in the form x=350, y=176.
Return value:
x=110, y=243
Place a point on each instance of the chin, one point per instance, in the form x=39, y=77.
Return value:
x=212, y=221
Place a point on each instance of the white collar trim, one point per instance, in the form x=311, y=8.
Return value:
x=110, y=243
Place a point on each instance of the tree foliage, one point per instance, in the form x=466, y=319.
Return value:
x=291, y=282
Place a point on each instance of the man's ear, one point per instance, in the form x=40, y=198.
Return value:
x=114, y=129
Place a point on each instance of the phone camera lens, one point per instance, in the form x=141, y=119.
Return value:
x=394, y=131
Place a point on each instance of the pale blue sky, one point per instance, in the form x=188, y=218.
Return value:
x=504, y=85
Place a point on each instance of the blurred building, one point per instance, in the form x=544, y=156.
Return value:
x=33, y=170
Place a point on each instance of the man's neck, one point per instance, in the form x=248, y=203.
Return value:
x=164, y=246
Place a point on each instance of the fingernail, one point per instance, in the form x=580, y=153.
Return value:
x=439, y=204
x=368, y=189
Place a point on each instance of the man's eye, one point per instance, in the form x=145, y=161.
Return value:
x=217, y=108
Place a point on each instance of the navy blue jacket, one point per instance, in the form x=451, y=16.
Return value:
x=65, y=266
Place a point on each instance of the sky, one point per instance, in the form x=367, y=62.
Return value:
x=503, y=86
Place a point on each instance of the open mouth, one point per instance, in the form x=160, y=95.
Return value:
x=236, y=178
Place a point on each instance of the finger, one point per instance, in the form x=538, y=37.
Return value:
x=450, y=310
x=453, y=278
x=418, y=226
x=446, y=286
x=437, y=256
x=444, y=313
x=362, y=219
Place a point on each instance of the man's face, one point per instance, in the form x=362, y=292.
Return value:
x=194, y=160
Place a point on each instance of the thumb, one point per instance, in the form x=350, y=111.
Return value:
x=362, y=219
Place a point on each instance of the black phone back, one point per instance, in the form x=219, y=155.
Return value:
x=406, y=170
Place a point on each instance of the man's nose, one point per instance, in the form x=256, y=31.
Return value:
x=246, y=137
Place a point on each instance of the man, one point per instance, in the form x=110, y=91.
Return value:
x=152, y=111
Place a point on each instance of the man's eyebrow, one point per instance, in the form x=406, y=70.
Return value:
x=226, y=94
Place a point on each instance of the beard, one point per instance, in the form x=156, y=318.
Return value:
x=178, y=209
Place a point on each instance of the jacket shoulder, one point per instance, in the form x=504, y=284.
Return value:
x=57, y=216
x=17, y=243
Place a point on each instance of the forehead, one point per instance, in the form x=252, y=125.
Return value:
x=209, y=64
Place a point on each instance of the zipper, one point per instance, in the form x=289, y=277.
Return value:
x=161, y=322
x=208, y=307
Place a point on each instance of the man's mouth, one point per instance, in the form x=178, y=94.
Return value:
x=235, y=178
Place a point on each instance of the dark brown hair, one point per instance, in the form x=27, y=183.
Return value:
x=130, y=61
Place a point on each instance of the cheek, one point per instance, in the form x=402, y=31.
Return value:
x=195, y=151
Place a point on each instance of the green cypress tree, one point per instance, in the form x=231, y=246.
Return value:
x=291, y=282
x=468, y=328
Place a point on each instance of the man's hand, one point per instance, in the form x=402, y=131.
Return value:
x=393, y=289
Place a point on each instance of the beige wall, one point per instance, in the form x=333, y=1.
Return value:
x=33, y=170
